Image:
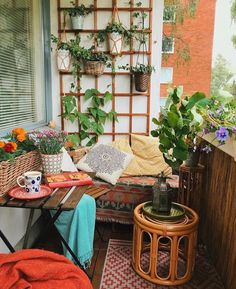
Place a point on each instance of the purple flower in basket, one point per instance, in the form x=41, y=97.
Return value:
x=205, y=130
x=222, y=134
x=207, y=149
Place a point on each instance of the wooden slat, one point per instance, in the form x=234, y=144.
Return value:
x=15, y=203
x=102, y=192
x=56, y=199
x=74, y=198
x=36, y=204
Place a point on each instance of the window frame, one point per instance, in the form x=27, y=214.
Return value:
x=174, y=14
x=173, y=45
x=45, y=37
x=171, y=69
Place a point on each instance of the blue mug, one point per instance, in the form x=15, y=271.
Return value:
x=32, y=181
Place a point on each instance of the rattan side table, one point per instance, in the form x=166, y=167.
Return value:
x=164, y=252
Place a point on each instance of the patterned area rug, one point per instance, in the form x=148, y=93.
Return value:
x=118, y=273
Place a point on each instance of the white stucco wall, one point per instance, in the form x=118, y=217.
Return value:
x=13, y=221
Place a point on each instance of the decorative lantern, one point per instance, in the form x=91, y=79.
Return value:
x=161, y=195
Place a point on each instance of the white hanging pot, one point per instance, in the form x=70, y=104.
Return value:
x=115, y=41
x=77, y=22
x=63, y=60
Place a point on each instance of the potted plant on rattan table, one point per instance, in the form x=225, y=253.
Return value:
x=178, y=127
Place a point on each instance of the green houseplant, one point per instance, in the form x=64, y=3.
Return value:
x=116, y=33
x=77, y=14
x=178, y=126
x=94, y=62
x=93, y=120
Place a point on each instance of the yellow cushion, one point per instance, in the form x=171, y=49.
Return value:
x=148, y=156
x=133, y=168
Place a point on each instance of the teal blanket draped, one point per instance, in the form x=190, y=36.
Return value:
x=77, y=228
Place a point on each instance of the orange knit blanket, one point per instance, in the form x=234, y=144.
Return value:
x=38, y=269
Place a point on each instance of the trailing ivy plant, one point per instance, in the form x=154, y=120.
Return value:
x=139, y=68
x=93, y=120
x=80, y=10
x=178, y=126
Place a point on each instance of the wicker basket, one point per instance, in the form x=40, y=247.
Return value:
x=94, y=67
x=9, y=171
x=141, y=81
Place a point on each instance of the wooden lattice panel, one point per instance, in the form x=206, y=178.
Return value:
x=133, y=108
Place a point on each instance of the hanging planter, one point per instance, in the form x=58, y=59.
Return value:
x=77, y=22
x=94, y=67
x=115, y=42
x=141, y=81
x=94, y=62
x=77, y=15
x=63, y=60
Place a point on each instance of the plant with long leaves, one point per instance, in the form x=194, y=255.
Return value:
x=178, y=126
x=93, y=120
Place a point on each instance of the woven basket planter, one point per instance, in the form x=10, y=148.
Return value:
x=94, y=67
x=52, y=163
x=10, y=171
x=141, y=81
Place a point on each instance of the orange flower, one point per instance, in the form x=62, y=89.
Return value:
x=2, y=144
x=19, y=130
x=10, y=147
x=21, y=137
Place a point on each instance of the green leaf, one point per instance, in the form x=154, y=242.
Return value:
x=89, y=93
x=164, y=140
x=101, y=112
x=92, y=141
x=83, y=134
x=107, y=96
x=173, y=119
x=154, y=133
x=155, y=121
x=180, y=153
x=194, y=99
x=93, y=111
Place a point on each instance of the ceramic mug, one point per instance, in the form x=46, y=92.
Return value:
x=32, y=181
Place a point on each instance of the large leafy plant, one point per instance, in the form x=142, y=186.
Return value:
x=178, y=126
x=93, y=120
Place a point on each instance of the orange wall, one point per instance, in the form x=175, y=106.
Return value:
x=198, y=32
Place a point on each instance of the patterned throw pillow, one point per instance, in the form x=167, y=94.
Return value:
x=107, y=162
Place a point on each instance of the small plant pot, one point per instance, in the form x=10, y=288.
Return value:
x=141, y=81
x=193, y=159
x=52, y=163
x=94, y=67
x=115, y=41
x=63, y=60
x=77, y=22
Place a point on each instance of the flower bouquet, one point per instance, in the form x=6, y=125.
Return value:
x=17, y=156
x=49, y=144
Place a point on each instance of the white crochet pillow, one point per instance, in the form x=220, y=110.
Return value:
x=106, y=161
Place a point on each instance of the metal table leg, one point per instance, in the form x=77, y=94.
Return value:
x=7, y=243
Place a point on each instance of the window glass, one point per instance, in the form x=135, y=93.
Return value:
x=22, y=92
x=169, y=13
x=167, y=44
x=166, y=75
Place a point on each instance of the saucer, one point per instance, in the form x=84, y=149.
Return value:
x=20, y=193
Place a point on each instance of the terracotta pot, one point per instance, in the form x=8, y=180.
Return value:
x=52, y=163
x=77, y=22
x=141, y=81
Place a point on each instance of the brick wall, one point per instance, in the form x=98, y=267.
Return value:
x=198, y=32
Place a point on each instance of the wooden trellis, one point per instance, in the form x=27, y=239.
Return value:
x=132, y=53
